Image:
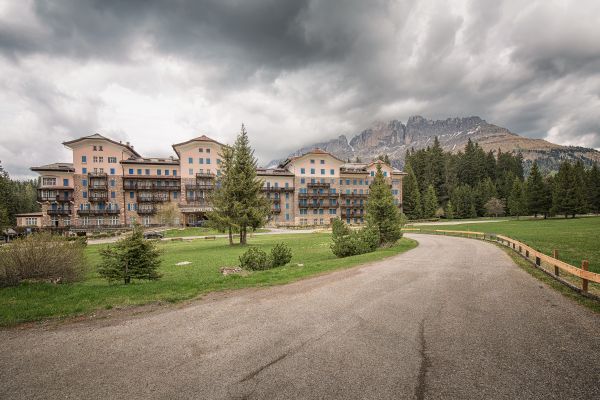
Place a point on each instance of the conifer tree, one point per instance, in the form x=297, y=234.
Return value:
x=536, y=191
x=517, y=203
x=251, y=208
x=463, y=201
x=130, y=258
x=579, y=187
x=411, y=197
x=593, y=186
x=382, y=213
x=222, y=216
x=566, y=198
x=449, y=210
x=430, y=202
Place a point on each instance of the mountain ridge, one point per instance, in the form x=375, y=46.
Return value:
x=395, y=138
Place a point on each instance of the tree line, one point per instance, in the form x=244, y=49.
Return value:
x=16, y=197
x=473, y=183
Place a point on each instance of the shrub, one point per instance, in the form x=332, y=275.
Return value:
x=130, y=258
x=255, y=259
x=281, y=254
x=41, y=256
x=347, y=242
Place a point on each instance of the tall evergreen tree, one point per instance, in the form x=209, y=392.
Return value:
x=593, y=188
x=579, y=187
x=517, y=202
x=437, y=169
x=382, y=213
x=536, y=191
x=411, y=197
x=222, y=216
x=251, y=208
x=430, y=202
x=463, y=201
x=567, y=195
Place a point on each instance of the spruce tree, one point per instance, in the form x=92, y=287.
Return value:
x=250, y=208
x=130, y=258
x=382, y=213
x=536, y=191
x=565, y=197
x=411, y=197
x=430, y=202
x=593, y=188
x=579, y=187
x=463, y=201
x=449, y=210
x=517, y=203
x=222, y=217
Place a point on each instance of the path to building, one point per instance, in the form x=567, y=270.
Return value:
x=452, y=319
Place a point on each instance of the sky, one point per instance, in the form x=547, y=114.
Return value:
x=294, y=72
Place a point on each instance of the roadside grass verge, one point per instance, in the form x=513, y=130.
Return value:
x=37, y=301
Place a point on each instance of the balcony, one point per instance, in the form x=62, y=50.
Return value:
x=276, y=210
x=272, y=189
x=101, y=175
x=59, y=211
x=44, y=195
x=318, y=185
x=317, y=205
x=354, y=195
x=318, y=195
x=170, y=185
x=352, y=213
x=98, y=196
x=205, y=175
x=147, y=209
x=98, y=211
x=152, y=198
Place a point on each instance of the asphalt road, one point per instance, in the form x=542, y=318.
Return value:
x=452, y=319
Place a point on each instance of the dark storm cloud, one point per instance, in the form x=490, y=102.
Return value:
x=308, y=70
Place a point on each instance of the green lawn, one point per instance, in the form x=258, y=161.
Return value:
x=575, y=239
x=187, y=232
x=36, y=301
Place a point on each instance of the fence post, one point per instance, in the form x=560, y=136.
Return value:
x=527, y=253
x=584, y=283
x=555, y=255
x=538, y=261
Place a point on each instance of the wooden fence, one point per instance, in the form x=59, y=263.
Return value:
x=531, y=254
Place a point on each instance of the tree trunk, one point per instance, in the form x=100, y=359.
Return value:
x=243, y=235
x=127, y=278
x=230, y=237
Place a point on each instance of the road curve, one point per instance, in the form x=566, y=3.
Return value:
x=452, y=319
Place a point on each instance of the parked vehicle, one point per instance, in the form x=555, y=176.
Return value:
x=153, y=235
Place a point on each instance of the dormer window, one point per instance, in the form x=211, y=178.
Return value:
x=208, y=150
x=201, y=150
x=94, y=147
x=100, y=148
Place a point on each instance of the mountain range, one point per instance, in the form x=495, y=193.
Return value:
x=394, y=138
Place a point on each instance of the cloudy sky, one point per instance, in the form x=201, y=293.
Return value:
x=159, y=72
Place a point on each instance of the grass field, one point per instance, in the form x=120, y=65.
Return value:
x=575, y=239
x=187, y=232
x=36, y=301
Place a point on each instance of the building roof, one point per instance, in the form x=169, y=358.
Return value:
x=202, y=138
x=151, y=161
x=98, y=136
x=273, y=172
x=316, y=150
x=56, y=167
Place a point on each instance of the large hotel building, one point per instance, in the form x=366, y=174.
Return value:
x=109, y=185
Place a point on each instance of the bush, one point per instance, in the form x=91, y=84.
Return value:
x=41, y=256
x=255, y=259
x=130, y=258
x=281, y=254
x=347, y=242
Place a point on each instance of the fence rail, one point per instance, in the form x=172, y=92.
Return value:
x=531, y=254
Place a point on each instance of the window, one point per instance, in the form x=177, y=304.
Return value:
x=167, y=172
x=201, y=161
x=67, y=222
x=312, y=161
x=384, y=173
x=174, y=172
x=112, y=160
x=200, y=150
x=208, y=160
x=112, y=171
x=131, y=194
x=130, y=171
x=114, y=220
x=191, y=171
x=302, y=170
x=322, y=172
x=31, y=221
x=287, y=217
x=113, y=195
x=113, y=183
x=322, y=162
x=190, y=160
x=101, y=159
x=147, y=171
x=208, y=150
x=100, y=148
x=331, y=172
x=158, y=172
x=175, y=195
x=49, y=181
x=354, y=182
x=83, y=159
x=218, y=161
x=84, y=182
x=65, y=182
x=347, y=181
x=302, y=180
x=84, y=195
x=95, y=159
x=94, y=148
x=84, y=170
x=139, y=171
x=372, y=173
x=312, y=171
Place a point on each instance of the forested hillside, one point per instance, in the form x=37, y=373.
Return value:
x=16, y=197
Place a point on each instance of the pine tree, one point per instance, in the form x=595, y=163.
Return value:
x=449, y=210
x=517, y=203
x=463, y=201
x=251, y=208
x=579, y=187
x=593, y=188
x=130, y=258
x=485, y=190
x=536, y=191
x=382, y=213
x=222, y=216
x=411, y=201
x=430, y=202
x=566, y=197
